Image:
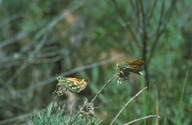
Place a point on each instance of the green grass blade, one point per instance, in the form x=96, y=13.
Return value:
x=181, y=99
x=144, y=98
x=165, y=106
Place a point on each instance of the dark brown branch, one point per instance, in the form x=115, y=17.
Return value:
x=144, y=40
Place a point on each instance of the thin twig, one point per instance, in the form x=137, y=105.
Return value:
x=103, y=88
x=20, y=36
x=30, y=57
x=157, y=31
x=142, y=118
x=164, y=26
x=127, y=104
x=22, y=67
x=152, y=10
x=137, y=19
x=127, y=24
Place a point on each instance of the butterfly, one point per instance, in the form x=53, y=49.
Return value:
x=74, y=85
x=136, y=66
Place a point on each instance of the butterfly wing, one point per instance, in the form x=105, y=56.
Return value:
x=74, y=79
x=75, y=84
x=137, y=64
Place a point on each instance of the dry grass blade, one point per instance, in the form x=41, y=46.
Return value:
x=136, y=120
x=127, y=105
x=103, y=88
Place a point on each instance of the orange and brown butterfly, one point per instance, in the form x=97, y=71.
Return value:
x=136, y=66
x=74, y=85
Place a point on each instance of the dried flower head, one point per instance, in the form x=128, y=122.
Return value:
x=87, y=110
x=125, y=69
x=74, y=85
x=123, y=72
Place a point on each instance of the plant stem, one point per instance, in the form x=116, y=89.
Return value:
x=181, y=99
x=127, y=104
x=103, y=88
x=136, y=120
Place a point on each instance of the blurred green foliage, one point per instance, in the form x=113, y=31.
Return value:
x=79, y=33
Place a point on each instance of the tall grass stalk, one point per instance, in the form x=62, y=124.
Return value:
x=165, y=106
x=148, y=102
x=181, y=99
x=144, y=98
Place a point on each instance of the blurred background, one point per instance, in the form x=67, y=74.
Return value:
x=43, y=39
